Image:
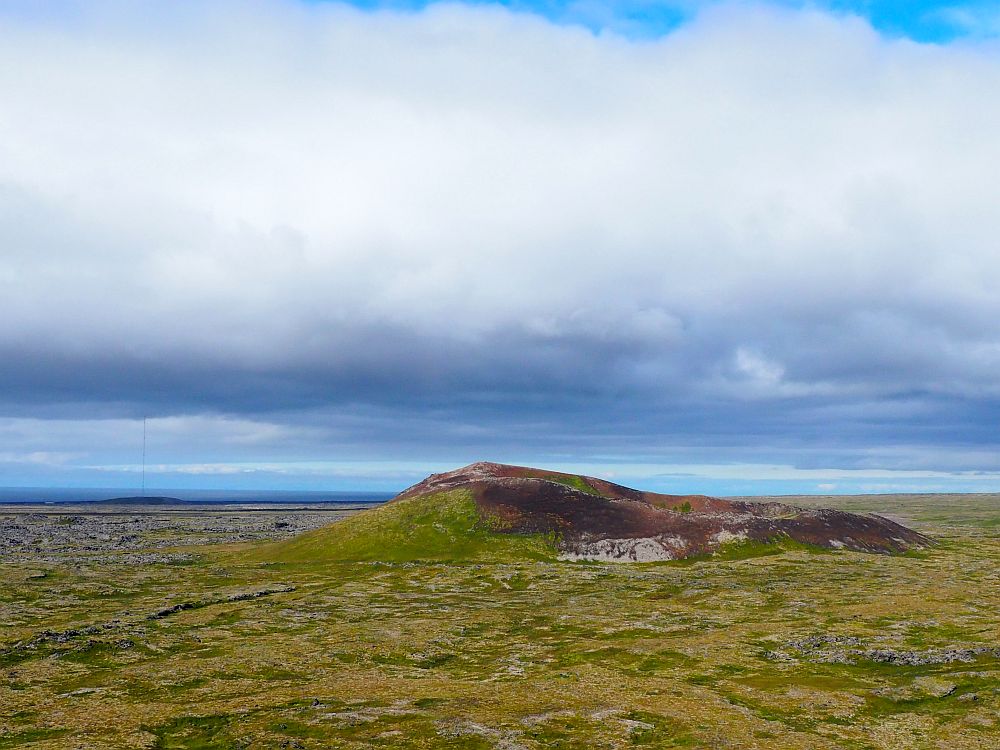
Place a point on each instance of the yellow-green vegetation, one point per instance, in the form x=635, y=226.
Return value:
x=571, y=480
x=443, y=526
x=334, y=643
x=744, y=549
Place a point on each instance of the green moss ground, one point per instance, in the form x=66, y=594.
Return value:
x=503, y=648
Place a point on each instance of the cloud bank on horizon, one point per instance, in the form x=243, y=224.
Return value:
x=315, y=242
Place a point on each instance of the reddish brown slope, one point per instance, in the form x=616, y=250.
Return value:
x=597, y=519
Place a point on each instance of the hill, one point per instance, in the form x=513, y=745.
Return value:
x=500, y=511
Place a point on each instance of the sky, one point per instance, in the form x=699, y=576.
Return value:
x=733, y=248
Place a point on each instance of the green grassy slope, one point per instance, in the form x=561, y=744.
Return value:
x=440, y=527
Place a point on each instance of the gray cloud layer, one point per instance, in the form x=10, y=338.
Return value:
x=767, y=229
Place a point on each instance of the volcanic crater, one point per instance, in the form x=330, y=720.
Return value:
x=593, y=519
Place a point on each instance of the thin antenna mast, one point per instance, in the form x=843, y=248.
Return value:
x=143, y=457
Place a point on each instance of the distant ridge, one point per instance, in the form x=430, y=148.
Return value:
x=91, y=495
x=140, y=500
x=497, y=509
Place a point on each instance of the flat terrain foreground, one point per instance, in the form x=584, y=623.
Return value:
x=142, y=630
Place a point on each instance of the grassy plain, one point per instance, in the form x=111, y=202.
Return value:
x=225, y=649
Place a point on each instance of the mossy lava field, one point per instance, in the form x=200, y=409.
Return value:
x=175, y=637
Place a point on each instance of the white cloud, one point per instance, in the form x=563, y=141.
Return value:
x=256, y=180
x=758, y=367
x=41, y=458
